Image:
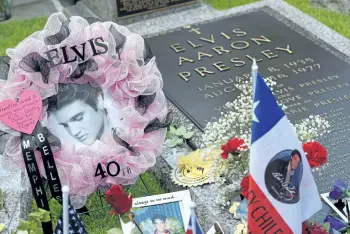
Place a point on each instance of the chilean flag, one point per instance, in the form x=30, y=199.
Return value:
x=282, y=190
x=198, y=229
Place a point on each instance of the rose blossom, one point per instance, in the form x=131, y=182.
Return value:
x=233, y=145
x=118, y=199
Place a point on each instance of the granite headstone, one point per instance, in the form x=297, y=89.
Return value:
x=201, y=64
x=133, y=7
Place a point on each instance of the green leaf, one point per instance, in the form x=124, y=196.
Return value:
x=34, y=217
x=172, y=130
x=46, y=216
x=23, y=225
x=115, y=231
x=33, y=224
x=181, y=131
x=326, y=226
x=169, y=135
x=174, y=141
x=125, y=217
x=188, y=135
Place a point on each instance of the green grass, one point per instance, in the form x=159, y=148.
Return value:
x=337, y=21
x=14, y=32
x=224, y=4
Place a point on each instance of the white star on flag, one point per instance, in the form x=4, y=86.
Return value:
x=255, y=119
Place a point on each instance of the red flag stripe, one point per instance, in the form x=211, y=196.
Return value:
x=263, y=218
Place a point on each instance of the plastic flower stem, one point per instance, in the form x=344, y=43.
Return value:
x=138, y=227
x=131, y=217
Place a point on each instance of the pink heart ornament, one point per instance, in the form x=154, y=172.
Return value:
x=23, y=115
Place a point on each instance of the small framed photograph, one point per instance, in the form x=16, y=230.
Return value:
x=342, y=214
x=164, y=213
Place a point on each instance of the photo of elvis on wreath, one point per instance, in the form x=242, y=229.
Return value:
x=81, y=113
x=283, y=176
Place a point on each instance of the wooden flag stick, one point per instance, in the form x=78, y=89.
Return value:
x=65, y=193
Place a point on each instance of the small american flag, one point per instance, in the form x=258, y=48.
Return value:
x=76, y=226
x=197, y=226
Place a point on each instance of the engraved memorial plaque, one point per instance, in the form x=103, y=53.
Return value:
x=200, y=65
x=134, y=7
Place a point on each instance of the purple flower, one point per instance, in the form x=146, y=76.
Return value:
x=339, y=190
x=335, y=223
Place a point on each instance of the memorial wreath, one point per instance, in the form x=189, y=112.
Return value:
x=103, y=108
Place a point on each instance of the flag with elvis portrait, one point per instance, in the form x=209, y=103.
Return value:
x=282, y=190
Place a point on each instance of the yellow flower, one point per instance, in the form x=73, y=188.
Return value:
x=241, y=228
x=233, y=208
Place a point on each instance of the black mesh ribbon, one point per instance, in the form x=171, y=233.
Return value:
x=125, y=144
x=65, y=31
x=119, y=39
x=143, y=101
x=27, y=145
x=89, y=65
x=60, y=36
x=156, y=124
x=4, y=67
x=34, y=62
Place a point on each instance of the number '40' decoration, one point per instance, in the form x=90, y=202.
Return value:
x=102, y=173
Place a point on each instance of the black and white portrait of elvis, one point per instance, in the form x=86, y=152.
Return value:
x=81, y=114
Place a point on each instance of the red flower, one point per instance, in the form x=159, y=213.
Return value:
x=245, y=186
x=316, y=153
x=309, y=228
x=119, y=200
x=224, y=155
x=232, y=146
